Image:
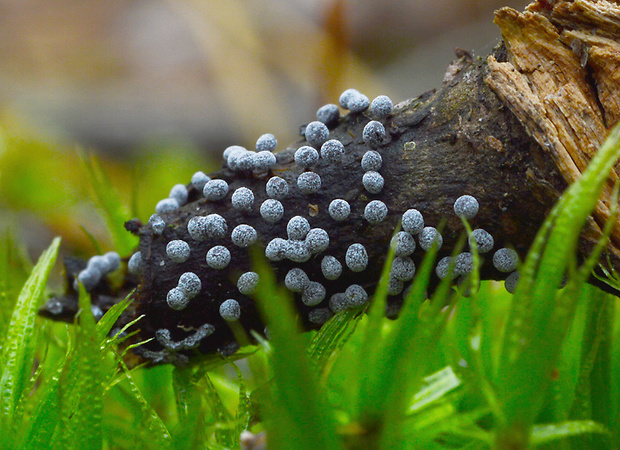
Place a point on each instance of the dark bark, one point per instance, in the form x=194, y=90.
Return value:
x=462, y=139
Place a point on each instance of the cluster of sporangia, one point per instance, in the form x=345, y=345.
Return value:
x=194, y=268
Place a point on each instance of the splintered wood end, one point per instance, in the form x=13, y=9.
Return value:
x=561, y=79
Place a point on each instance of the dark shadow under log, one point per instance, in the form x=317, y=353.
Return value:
x=463, y=139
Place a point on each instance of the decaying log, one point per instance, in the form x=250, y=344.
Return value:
x=513, y=131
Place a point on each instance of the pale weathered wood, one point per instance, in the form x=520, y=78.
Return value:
x=561, y=80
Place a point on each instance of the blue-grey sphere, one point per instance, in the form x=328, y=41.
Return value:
x=372, y=160
x=305, y=156
x=373, y=182
x=339, y=209
x=466, y=206
x=316, y=133
x=374, y=133
x=190, y=284
x=218, y=257
x=328, y=114
x=356, y=258
x=297, y=228
x=381, y=107
x=271, y=210
x=375, y=211
x=215, y=190
x=242, y=199
x=178, y=250
x=331, y=267
x=243, y=235
x=230, y=310
x=276, y=188
x=309, y=183
x=332, y=150
x=266, y=143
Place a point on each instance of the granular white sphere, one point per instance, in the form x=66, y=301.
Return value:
x=316, y=133
x=427, y=236
x=338, y=302
x=199, y=179
x=276, y=188
x=99, y=263
x=215, y=190
x=276, y=249
x=264, y=160
x=271, y=210
x=313, y=294
x=317, y=240
x=305, y=156
x=309, y=183
x=375, y=211
x=373, y=182
x=237, y=157
x=319, y=315
x=346, y=96
x=190, y=284
x=505, y=260
x=331, y=267
x=178, y=250
x=372, y=160
x=157, y=224
x=463, y=263
x=247, y=283
x=339, y=209
x=242, y=161
x=412, y=221
x=177, y=299
x=356, y=295
x=135, y=264
x=166, y=205
x=297, y=228
x=266, y=143
x=443, y=268
x=332, y=150
x=381, y=107
x=179, y=193
x=231, y=153
x=243, y=235
x=328, y=114
x=218, y=257
x=297, y=251
x=242, y=199
x=230, y=310
x=483, y=240
x=356, y=257
x=215, y=226
x=90, y=278
x=197, y=228
x=403, y=244
x=403, y=268
x=357, y=102
x=395, y=286
x=113, y=260
x=466, y=206
x=374, y=133
x=296, y=280
x=511, y=282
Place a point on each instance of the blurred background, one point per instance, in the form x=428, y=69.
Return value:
x=158, y=89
